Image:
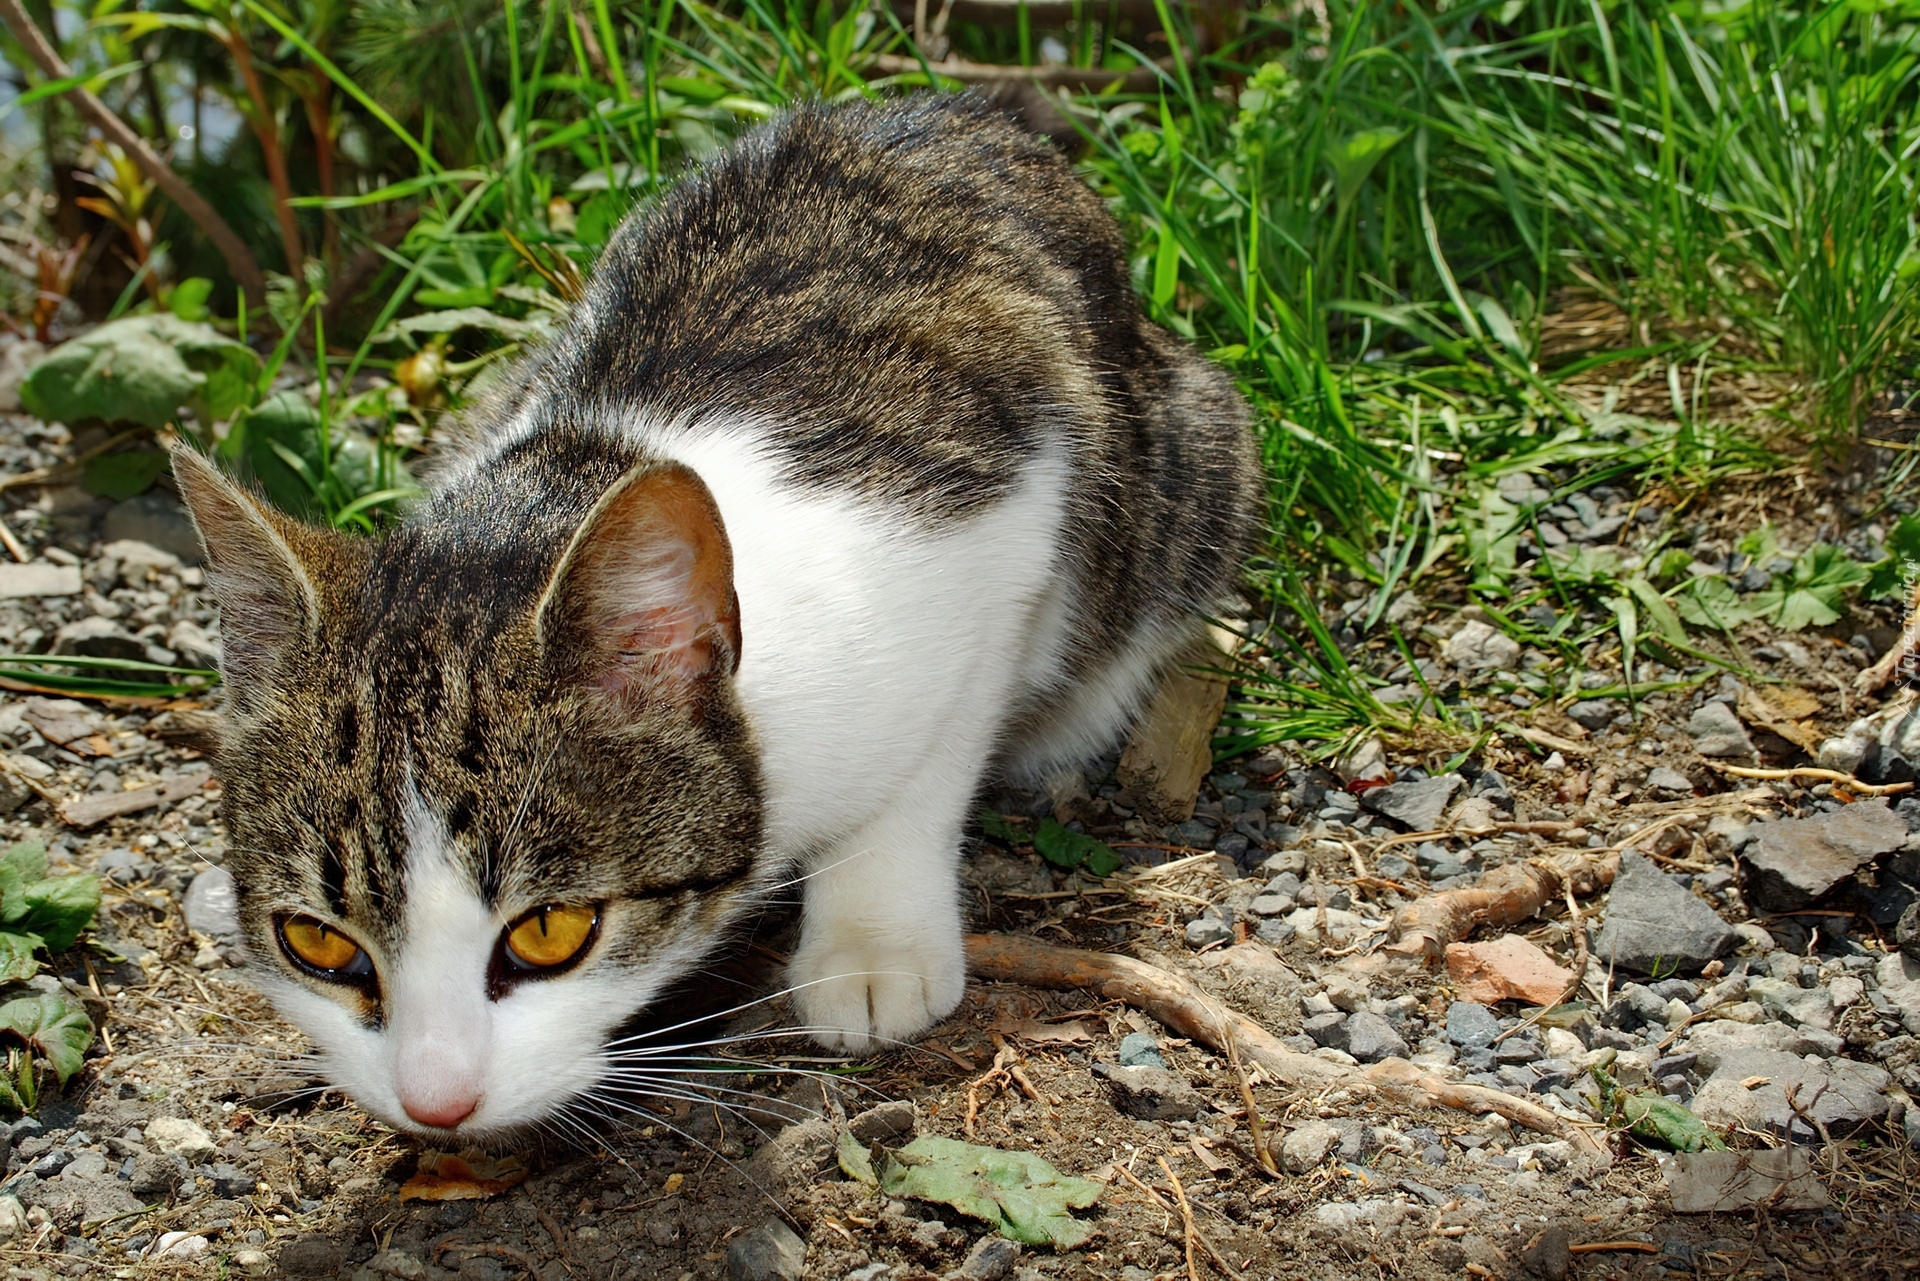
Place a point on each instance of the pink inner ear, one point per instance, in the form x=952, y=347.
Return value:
x=651, y=583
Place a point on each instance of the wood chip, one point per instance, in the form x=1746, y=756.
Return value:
x=89, y=811
x=62, y=721
x=1755, y=1082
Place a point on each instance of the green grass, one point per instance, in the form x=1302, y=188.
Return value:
x=1368, y=223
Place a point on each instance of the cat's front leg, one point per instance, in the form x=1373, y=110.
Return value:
x=880, y=958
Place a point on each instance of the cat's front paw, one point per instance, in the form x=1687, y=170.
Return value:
x=861, y=991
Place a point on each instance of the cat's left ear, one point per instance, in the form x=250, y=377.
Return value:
x=642, y=601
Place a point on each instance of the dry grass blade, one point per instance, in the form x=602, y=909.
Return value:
x=1505, y=896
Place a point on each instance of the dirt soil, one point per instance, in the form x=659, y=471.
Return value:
x=292, y=1180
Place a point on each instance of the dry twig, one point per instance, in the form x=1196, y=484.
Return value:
x=1505, y=896
x=1181, y=1006
x=1851, y=783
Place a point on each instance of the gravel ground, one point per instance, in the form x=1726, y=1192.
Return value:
x=1721, y=973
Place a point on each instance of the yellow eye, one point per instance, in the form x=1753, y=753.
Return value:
x=551, y=935
x=321, y=946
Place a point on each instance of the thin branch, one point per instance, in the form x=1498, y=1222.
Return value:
x=240, y=259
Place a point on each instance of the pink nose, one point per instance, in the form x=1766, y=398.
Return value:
x=445, y=1112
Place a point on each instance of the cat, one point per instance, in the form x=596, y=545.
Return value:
x=857, y=478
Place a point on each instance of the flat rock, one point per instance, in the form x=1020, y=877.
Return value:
x=1417, y=805
x=1663, y=779
x=1724, y=1182
x=1899, y=978
x=1306, y=1147
x=211, y=906
x=1342, y=927
x=1653, y=920
x=1712, y=1041
x=1371, y=1038
x=157, y=521
x=887, y=1121
x=1471, y=1026
x=1508, y=968
x=1718, y=732
x=1477, y=647
x=38, y=578
x=1592, y=713
x=1784, y=998
x=770, y=1252
x=177, y=1136
x=991, y=1258
x=1150, y=1093
x=1793, y=861
x=1749, y=1088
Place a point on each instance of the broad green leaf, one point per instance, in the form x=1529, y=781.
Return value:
x=277, y=442
x=1492, y=527
x=60, y=907
x=141, y=369
x=1068, y=849
x=59, y=1032
x=1763, y=544
x=855, y=1162
x=1814, y=594
x=1711, y=602
x=999, y=829
x=26, y=860
x=124, y=474
x=1355, y=156
x=17, y=963
x=1895, y=575
x=1021, y=1194
x=1589, y=566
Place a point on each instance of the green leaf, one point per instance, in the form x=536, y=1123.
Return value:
x=1763, y=544
x=1654, y=1117
x=9, y=1097
x=189, y=298
x=17, y=963
x=1710, y=602
x=58, y=1032
x=60, y=907
x=1355, y=156
x=1894, y=575
x=855, y=1162
x=1021, y=1194
x=1586, y=565
x=278, y=443
x=124, y=474
x=25, y=860
x=1665, y=620
x=996, y=827
x=1072, y=849
x=141, y=369
x=1814, y=594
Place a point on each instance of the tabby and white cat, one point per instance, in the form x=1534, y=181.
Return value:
x=857, y=476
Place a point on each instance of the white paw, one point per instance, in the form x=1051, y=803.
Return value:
x=862, y=990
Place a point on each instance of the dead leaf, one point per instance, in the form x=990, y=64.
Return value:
x=1213, y=1163
x=1784, y=712
x=469, y=1176
x=1755, y=1082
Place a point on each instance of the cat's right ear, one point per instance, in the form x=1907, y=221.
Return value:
x=268, y=605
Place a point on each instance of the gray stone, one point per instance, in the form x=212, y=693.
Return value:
x=37, y=578
x=1779, y=1179
x=96, y=637
x=770, y=1252
x=1305, y=1148
x=156, y=520
x=1906, y=934
x=1594, y=713
x=883, y=1124
x=233, y=1182
x=1477, y=647
x=211, y=906
x=1841, y=1094
x=1329, y=1031
x=1275, y=933
x=14, y=792
x=1286, y=863
x=1794, y=861
x=1471, y=1026
x=1150, y=1094
x=1663, y=779
x=195, y=646
x=1899, y=977
x=1417, y=805
x=1371, y=1038
x=1550, y=1254
x=153, y=1175
x=1718, y=732
x=1139, y=1049
x=1654, y=921
x=990, y=1259
x=1783, y=998
x=1205, y=931
x=398, y=1264
x=85, y=1165
x=1271, y=905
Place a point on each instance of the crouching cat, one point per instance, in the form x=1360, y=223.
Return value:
x=857, y=475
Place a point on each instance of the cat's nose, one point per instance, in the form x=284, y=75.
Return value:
x=445, y=1111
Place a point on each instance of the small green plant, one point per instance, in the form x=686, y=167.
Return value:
x=40, y=914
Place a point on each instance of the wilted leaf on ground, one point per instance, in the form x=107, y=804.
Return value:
x=58, y=1032
x=1018, y=1192
x=1074, y=849
x=855, y=1163
x=466, y=1176
x=1654, y=1117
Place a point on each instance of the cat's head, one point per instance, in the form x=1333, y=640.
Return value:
x=487, y=788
